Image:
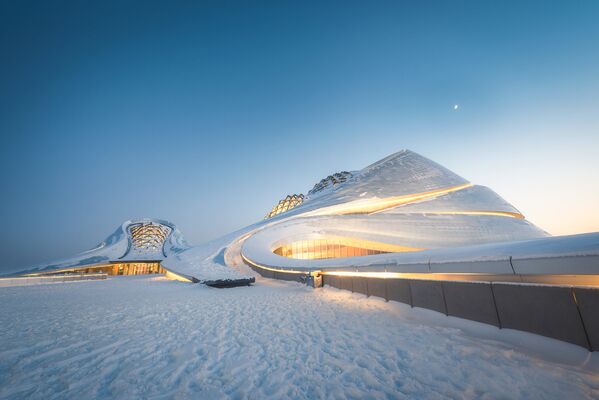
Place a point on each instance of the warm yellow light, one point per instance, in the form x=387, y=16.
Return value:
x=546, y=279
x=337, y=247
x=287, y=271
x=372, y=205
x=495, y=213
x=116, y=268
x=148, y=237
x=405, y=275
x=175, y=277
x=289, y=202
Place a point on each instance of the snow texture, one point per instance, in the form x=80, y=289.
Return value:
x=206, y=262
x=147, y=337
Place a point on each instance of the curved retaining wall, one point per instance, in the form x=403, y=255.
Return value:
x=560, y=312
x=567, y=313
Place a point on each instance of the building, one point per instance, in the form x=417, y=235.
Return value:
x=134, y=248
x=404, y=228
x=404, y=203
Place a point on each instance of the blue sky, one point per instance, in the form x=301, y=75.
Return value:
x=207, y=113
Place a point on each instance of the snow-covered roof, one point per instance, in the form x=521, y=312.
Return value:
x=404, y=201
x=145, y=239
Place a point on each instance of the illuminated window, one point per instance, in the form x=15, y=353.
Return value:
x=135, y=268
x=337, y=247
x=289, y=202
x=148, y=237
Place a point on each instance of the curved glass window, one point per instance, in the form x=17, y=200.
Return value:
x=337, y=247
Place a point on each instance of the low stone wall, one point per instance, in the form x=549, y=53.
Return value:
x=567, y=313
x=560, y=312
x=37, y=280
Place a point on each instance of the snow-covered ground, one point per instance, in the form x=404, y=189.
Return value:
x=147, y=337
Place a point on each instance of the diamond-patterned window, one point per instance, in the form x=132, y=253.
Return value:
x=148, y=237
x=289, y=202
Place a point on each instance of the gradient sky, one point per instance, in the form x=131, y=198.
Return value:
x=206, y=113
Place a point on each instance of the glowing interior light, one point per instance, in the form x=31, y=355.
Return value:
x=373, y=205
x=545, y=279
x=176, y=277
x=148, y=237
x=287, y=271
x=289, y=202
x=117, y=268
x=493, y=213
x=337, y=247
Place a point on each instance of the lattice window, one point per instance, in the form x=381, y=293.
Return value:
x=148, y=237
x=331, y=180
x=289, y=202
x=337, y=247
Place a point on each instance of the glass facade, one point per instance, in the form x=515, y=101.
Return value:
x=138, y=268
x=289, y=202
x=148, y=237
x=126, y=268
x=317, y=249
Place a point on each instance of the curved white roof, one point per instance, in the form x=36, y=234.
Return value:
x=404, y=201
x=119, y=246
x=473, y=198
x=401, y=173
